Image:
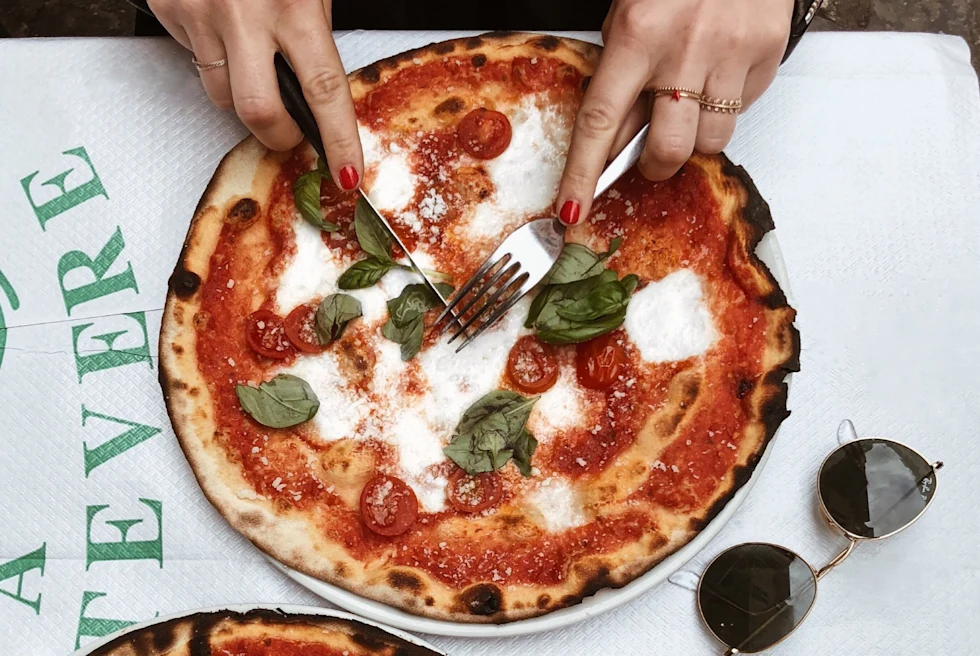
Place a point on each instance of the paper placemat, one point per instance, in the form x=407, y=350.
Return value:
x=868, y=150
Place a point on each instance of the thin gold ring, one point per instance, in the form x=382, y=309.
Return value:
x=721, y=105
x=676, y=93
x=207, y=66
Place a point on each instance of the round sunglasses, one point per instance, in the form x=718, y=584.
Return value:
x=754, y=595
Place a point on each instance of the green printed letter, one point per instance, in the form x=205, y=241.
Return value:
x=111, y=357
x=124, y=549
x=20, y=567
x=95, y=627
x=137, y=434
x=100, y=286
x=68, y=198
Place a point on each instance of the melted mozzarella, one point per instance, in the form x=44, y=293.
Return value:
x=668, y=320
x=456, y=380
x=558, y=504
x=312, y=273
x=393, y=183
x=526, y=175
x=561, y=407
x=341, y=410
x=419, y=448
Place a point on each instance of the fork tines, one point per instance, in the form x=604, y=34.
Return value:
x=504, y=283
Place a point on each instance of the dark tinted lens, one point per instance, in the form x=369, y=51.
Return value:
x=754, y=595
x=875, y=487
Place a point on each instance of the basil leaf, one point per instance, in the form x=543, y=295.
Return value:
x=631, y=282
x=604, y=299
x=333, y=315
x=574, y=332
x=492, y=431
x=371, y=232
x=364, y=273
x=284, y=401
x=413, y=340
x=414, y=301
x=577, y=262
x=306, y=194
x=445, y=289
x=321, y=167
x=537, y=305
x=524, y=448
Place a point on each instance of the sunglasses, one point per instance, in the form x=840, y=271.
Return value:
x=754, y=595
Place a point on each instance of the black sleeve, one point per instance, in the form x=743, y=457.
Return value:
x=803, y=13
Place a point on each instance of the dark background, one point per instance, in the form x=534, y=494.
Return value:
x=117, y=17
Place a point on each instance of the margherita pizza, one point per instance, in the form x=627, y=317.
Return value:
x=590, y=433
x=260, y=633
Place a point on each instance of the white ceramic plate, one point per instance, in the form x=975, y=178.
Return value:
x=604, y=600
x=244, y=608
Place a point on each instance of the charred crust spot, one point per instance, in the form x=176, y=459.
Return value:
x=370, y=74
x=444, y=48
x=243, y=212
x=744, y=387
x=473, y=42
x=184, y=283
x=404, y=581
x=597, y=581
x=478, y=60
x=370, y=642
x=691, y=385
x=511, y=520
x=413, y=120
x=201, y=319
x=586, y=81
x=481, y=599
x=547, y=43
x=194, y=391
x=484, y=194
x=429, y=601
x=340, y=569
x=543, y=601
x=450, y=106
x=252, y=519
x=499, y=34
x=177, y=349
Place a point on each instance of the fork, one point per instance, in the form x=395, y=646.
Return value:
x=523, y=259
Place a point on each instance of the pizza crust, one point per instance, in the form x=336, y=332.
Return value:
x=206, y=632
x=243, y=182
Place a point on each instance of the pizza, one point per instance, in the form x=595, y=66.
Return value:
x=594, y=430
x=260, y=633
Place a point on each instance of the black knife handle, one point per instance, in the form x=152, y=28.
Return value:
x=296, y=105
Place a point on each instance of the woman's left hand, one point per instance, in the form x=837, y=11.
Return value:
x=725, y=49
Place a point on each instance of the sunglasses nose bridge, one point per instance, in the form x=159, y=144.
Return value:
x=838, y=559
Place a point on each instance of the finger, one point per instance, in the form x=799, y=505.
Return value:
x=171, y=25
x=617, y=82
x=255, y=91
x=673, y=127
x=308, y=44
x=715, y=128
x=639, y=115
x=759, y=78
x=208, y=48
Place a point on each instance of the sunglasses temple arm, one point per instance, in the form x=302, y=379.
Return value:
x=838, y=559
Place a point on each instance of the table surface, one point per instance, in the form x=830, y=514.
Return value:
x=868, y=150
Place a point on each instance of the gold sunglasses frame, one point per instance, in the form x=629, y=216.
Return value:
x=852, y=541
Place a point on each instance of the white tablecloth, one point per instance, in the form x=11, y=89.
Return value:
x=868, y=150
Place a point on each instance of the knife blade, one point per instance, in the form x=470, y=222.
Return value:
x=295, y=102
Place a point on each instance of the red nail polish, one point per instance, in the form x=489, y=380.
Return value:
x=569, y=212
x=348, y=177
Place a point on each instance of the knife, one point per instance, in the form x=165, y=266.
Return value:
x=299, y=109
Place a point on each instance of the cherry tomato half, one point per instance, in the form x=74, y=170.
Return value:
x=532, y=366
x=301, y=329
x=265, y=334
x=388, y=506
x=472, y=494
x=484, y=133
x=599, y=362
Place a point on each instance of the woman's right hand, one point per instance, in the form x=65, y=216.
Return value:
x=248, y=34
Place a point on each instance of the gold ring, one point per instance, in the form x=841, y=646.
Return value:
x=676, y=93
x=207, y=66
x=721, y=105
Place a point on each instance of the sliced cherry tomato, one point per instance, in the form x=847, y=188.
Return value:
x=388, y=505
x=473, y=494
x=301, y=329
x=600, y=361
x=532, y=366
x=266, y=335
x=484, y=133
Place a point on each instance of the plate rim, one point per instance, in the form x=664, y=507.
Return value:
x=291, y=609
x=606, y=599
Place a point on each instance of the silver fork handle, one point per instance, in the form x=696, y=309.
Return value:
x=623, y=162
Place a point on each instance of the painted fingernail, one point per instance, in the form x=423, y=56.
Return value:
x=569, y=212
x=348, y=177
